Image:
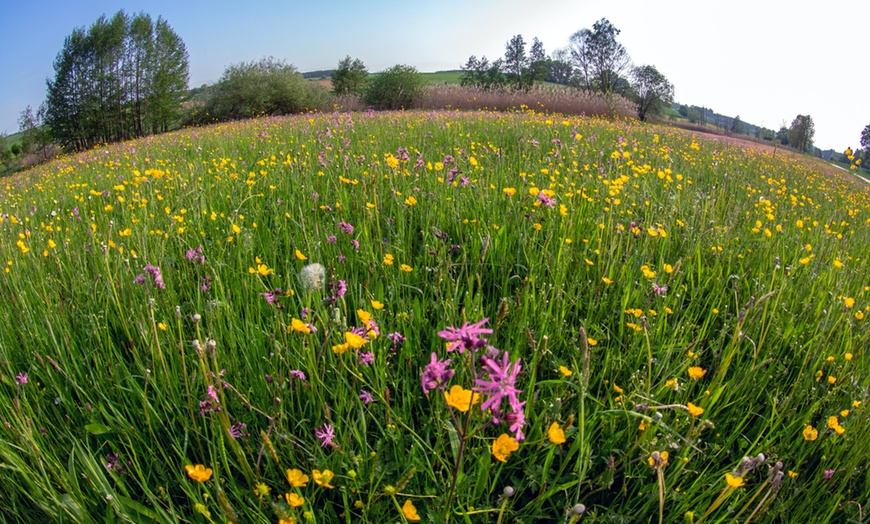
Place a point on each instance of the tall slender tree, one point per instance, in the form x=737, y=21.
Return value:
x=124, y=76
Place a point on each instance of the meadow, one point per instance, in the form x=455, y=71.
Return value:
x=402, y=316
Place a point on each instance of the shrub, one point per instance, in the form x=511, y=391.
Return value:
x=396, y=88
x=267, y=87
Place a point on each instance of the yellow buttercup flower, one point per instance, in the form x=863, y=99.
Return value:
x=198, y=473
x=556, y=434
x=734, y=482
x=694, y=410
x=565, y=371
x=810, y=433
x=296, y=478
x=697, y=372
x=503, y=446
x=323, y=478
x=409, y=511
x=300, y=256
x=293, y=500
x=460, y=398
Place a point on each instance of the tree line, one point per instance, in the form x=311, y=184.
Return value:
x=594, y=61
x=123, y=77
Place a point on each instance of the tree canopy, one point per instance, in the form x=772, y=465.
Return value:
x=651, y=91
x=120, y=78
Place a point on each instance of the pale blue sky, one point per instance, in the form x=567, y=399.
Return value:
x=766, y=61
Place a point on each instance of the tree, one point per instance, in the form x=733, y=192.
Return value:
x=482, y=74
x=559, y=68
x=651, y=91
x=782, y=135
x=801, y=132
x=395, y=88
x=350, y=77
x=34, y=133
x=5, y=152
x=515, y=61
x=865, y=146
x=736, y=125
x=113, y=78
x=599, y=58
x=268, y=86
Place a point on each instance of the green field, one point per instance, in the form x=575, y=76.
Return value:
x=443, y=77
x=251, y=322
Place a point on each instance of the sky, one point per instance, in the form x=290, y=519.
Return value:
x=764, y=60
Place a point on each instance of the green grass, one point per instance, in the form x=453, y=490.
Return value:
x=630, y=270
x=443, y=77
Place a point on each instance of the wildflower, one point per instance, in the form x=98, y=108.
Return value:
x=503, y=446
x=345, y=227
x=299, y=326
x=237, y=430
x=296, y=478
x=556, y=434
x=299, y=375
x=21, y=378
x=848, y=356
x=354, y=340
x=694, y=410
x=696, y=372
x=406, y=268
x=300, y=256
x=435, y=375
x=326, y=435
x=606, y=280
x=810, y=433
x=565, y=371
x=261, y=490
x=516, y=420
x=376, y=305
x=294, y=500
x=366, y=358
x=658, y=460
x=659, y=290
x=396, y=338
x=829, y=473
x=460, y=398
x=366, y=397
x=409, y=511
x=734, y=482
x=323, y=478
x=198, y=473
x=465, y=337
x=501, y=383
x=849, y=302
x=312, y=277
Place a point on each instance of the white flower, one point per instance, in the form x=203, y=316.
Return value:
x=312, y=277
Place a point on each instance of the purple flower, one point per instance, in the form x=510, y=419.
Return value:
x=516, y=420
x=366, y=397
x=347, y=228
x=238, y=430
x=396, y=337
x=21, y=378
x=501, y=383
x=207, y=406
x=465, y=337
x=829, y=473
x=298, y=375
x=355, y=244
x=330, y=239
x=154, y=271
x=366, y=358
x=659, y=290
x=272, y=297
x=140, y=279
x=435, y=375
x=193, y=254
x=326, y=434
x=212, y=394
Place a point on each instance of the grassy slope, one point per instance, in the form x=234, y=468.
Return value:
x=762, y=259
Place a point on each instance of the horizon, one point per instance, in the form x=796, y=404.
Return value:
x=752, y=70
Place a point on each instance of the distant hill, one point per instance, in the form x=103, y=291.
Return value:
x=322, y=73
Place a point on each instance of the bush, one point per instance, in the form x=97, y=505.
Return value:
x=267, y=87
x=396, y=88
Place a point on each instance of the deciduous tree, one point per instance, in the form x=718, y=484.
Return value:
x=801, y=132
x=599, y=58
x=651, y=91
x=350, y=77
